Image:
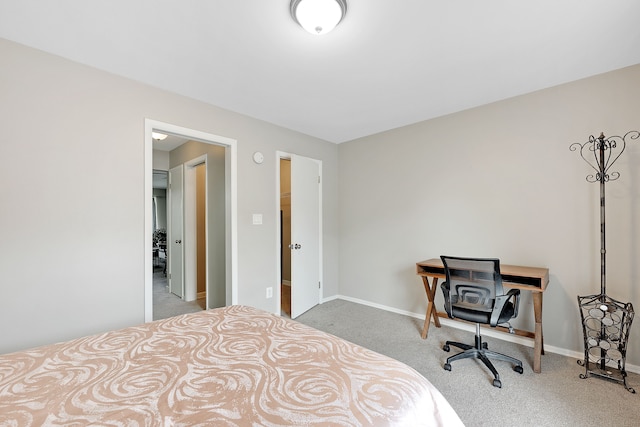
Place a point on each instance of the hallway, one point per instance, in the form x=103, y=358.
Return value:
x=166, y=304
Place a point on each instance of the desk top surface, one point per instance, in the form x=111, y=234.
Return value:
x=510, y=273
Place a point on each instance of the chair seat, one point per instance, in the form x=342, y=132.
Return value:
x=480, y=316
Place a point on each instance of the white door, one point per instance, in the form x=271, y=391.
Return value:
x=175, y=231
x=305, y=234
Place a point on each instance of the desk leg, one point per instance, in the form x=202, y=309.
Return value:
x=430, y=289
x=538, y=348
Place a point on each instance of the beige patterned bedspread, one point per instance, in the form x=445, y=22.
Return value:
x=234, y=366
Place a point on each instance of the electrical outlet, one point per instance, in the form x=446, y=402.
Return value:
x=269, y=292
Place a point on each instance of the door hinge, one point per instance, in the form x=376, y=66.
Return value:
x=318, y=179
x=169, y=276
x=319, y=285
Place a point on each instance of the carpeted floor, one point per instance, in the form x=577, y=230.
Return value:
x=555, y=397
x=166, y=304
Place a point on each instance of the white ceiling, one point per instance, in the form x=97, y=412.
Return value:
x=388, y=64
x=169, y=143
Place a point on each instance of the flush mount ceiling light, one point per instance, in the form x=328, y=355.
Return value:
x=318, y=16
x=158, y=136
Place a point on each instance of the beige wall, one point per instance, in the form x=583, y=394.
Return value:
x=72, y=258
x=498, y=180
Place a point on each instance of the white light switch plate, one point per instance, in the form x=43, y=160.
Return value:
x=257, y=219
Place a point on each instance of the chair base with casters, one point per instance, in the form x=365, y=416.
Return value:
x=480, y=351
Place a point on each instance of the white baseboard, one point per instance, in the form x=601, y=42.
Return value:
x=488, y=332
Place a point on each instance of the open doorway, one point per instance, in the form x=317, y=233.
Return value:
x=285, y=237
x=180, y=239
x=165, y=303
x=221, y=241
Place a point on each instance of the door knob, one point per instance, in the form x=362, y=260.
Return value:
x=296, y=246
x=178, y=241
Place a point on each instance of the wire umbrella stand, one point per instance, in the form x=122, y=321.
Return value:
x=605, y=321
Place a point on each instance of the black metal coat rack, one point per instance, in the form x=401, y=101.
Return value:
x=605, y=321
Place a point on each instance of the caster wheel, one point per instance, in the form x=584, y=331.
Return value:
x=446, y=347
x=497, y=383
x=447, y=366
x=518, y=369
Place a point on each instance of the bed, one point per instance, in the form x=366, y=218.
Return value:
x=233, y=366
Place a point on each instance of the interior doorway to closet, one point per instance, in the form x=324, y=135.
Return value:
x=285, y=237
x=300, y=233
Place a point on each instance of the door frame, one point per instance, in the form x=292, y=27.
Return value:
x=278, y=306
x=172, y=260
x=231, y=226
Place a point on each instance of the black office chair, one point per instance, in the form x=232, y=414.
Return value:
x=473, y=292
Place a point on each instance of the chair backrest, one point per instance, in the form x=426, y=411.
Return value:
x=473, y=282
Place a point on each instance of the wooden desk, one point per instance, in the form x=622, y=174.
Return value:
x=531, y=279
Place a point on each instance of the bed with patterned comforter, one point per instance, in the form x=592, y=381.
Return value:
x=233, y=366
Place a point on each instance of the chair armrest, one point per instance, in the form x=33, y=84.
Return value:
x=501, y=301
x=446, y=291
x=514, y=293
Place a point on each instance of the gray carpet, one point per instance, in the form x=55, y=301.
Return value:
x=166, y=304
x=555, y=397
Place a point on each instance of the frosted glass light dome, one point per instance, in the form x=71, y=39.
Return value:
x=318, y=16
